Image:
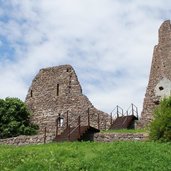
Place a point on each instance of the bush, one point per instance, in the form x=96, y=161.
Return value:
x=15, y=118
x=160, y=127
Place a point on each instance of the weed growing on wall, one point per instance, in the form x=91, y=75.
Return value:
x=160, y=128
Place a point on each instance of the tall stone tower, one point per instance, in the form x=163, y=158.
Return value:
x=159, y=85
x=55, y=91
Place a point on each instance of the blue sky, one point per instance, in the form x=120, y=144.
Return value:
x=108, y=42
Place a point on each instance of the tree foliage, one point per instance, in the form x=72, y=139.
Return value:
x=15, y=118
x=160, y=128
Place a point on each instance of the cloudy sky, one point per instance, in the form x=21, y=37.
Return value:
x=108, y=42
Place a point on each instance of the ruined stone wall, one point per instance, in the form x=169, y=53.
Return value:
x=159, y=85
x=25, y=140
x=110, y=137
x=97, y=137
x=56, y=90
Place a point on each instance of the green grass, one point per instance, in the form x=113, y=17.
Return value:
x=87, y=156
x=125, y=131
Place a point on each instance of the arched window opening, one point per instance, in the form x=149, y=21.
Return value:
x=59, y=120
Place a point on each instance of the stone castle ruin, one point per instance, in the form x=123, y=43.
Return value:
x=56, y=91
x=159, y=85
x=55, y=97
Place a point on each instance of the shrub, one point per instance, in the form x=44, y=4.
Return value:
x=160, y=127
x=15, y=118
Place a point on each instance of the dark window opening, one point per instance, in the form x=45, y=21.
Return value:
x=31, y=93
x=161, y=88
x=69, y=87
x=157, y=102
x=68, y=70
x=57, y=90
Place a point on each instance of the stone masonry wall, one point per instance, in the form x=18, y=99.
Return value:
x=109, y=137
x=98, y=137
x=159, y=85
x=56, y=90
x=25, y=140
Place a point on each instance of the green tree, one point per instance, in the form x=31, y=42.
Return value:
x=160, y=127
x=15, y=118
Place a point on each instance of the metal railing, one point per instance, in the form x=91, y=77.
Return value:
x=115, y=113
x=132, y=110
x=77, y=127
x=119, y=112
x=68, y=125
x=65, y=124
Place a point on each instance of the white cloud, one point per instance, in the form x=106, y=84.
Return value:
x=115, y=39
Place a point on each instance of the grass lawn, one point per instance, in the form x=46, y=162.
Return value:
x=87, y=156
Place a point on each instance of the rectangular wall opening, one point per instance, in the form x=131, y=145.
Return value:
x=31, y=93
x=57, y=90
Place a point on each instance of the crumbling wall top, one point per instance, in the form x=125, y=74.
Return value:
x=165, y=32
